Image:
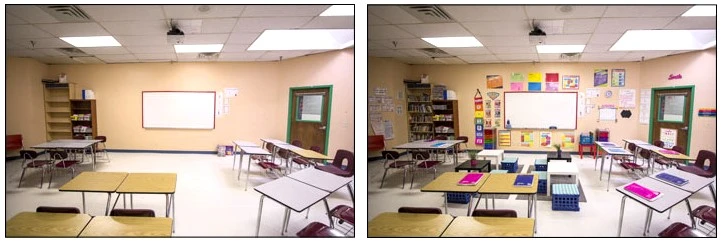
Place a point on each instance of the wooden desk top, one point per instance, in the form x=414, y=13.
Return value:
x=678, y=156
x=408, y=225
x=463, y=226
x=149, y=183
x=95, y=182
x=32, y=224
x=502, y=183
x=448, y=182
x=106, y=226
x=311, y=154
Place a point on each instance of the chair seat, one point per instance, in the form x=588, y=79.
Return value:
x=696, y=170
x=66, y=163
x=334, y=170
x=400, y=164
x=344, y=213
x=495, y=213
x=316, y=229
x=37, y=164
x=631, y=166
x=427, y=164
x=268, y=165
x=680, y=230
x=705, y=213
x=259, y=157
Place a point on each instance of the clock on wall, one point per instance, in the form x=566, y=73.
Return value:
x=609, y=94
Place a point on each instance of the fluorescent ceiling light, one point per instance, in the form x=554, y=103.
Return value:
x=198, y=48
x=700, y=11
x=303, y=39
x=665, y=40
x=339, y=10
x=93, y=41
x=560, y=49
x=454, y=42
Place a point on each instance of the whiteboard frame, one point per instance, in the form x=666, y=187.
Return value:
x=142, y=109
x=575, y=116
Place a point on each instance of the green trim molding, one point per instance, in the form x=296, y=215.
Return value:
x=290, y=111
x=690, y=113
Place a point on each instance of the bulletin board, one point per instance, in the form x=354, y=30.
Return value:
x=179, y=109
x=541, y=110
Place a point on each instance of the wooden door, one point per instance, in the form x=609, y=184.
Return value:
x=671, y=115
x=309, y=115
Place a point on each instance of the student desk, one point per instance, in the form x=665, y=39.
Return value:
x=275, y=146
x=610, y=149
x=305, y=153
x=238, y=144
x=32, y=224
x=502, y=183
x=150, y=183
x=656, y=151
x=408, y=225
x=70, y=144
x=323, y=180
x=438, y=145
x=106, y=226
x=448, y=182
x=249, y=150
x=293, y=195
x=695, y=183
x=489, y=227
x=671, y=197
x=497, y=154
x=106, y=182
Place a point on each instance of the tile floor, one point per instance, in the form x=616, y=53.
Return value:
x=210, y=201
x=598, y=217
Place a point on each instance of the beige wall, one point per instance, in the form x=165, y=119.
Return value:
x=24, y=106
x=389, y=74
x=698, y=69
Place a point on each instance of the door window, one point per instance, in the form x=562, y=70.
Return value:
x=671, y=108
x=310, y=107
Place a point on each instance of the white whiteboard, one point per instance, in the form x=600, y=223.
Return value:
x=541, y=110
x=179, y=110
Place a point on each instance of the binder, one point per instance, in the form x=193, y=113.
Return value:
x=470, y=179
x=643, y=192
x=523, y=181
x=675, y=180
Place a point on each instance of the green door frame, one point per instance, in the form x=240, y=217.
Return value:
x=690, y=113
x=290, y=111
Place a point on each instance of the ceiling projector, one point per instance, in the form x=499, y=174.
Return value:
x=175, y=36
x=537, y=36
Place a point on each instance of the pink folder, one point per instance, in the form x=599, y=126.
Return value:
x=470, y=179
x=642, y=191
x=670, y=152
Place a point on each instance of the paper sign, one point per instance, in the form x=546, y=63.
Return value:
x=516, y=77
x=570, y=82
x=381, y=91
x=388, y=129
x=478, y=114
x=494, y=82
x=545, y=139
x=668, y=136
x=516, y=86
x=230, y=92
x=627, y=98
x=534, y=77
x=618, y=77
x=593, y=92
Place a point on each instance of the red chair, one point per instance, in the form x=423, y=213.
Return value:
x=698, y=165
x=264, y=160
x=102, y=139
x=420, y=210
x=680, y=230
x=658, y=143
x=494, y=213
x=13, y=142
x=393, y=156
x=426, y=163
x=316, y=230
x=30, y=162
x=60, y=159
x=133, y=212
x=631, y=148
x=376, y=143
x=45, y=209
x=343, y=214
x=337, y=167
x=705, y=214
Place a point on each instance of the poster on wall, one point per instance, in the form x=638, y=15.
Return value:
x=552, y=82
x=570, y=82
x=497, y=104
x=668, y=136
x=504, y=138
x=497, y=113
x=388, y=130
x=534, y=81
x=488, y=112
x=618, y=77
x=494, y=82
x=487, y=122
x=545, y=139
x=627, y=98
x=488, y=104
x=568, y=140
x=497, y=123
x=645, y=109
x=527, y=138
x=478, y=117
x=600, y=77
x=516, y=82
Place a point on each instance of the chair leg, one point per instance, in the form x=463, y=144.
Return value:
x=404, y=178
x=51, y=178
x=413, y=177
x=21, y=178
x=384, y=177
x=42, y=178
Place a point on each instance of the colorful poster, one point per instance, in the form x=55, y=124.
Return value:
x=527, y=138
x=504, y=138
x=516, y=77
x=478, y=117
x=497, y=104
x=488, y=104
x=600, y=77
x=516, y=86
x=627, y=98
x=534, y=77
x=570, y=82
x=488, y=112
x=534, y=86
x=497, y=123
x=709, y=112
x=668, y=136
x=497, y=113
x=618, y=77
x=552, y=86
x=488, y=122
x=494, y=82
x=545, y=139
x=568, y=140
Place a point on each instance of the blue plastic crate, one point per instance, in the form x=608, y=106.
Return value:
x=458, y=197
x=586, y=139
x=542, y=179
x=499, y=171
x=565, y=197
x=510, y=164
x=541, y=165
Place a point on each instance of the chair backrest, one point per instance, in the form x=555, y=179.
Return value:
x=101, y=138
x=315, y=149
x=269, y=146
x=632, y=147
x=46, y=209
x=658, y=143
x=495, y=213
x=13, y=142
x=297, y=143
x=679, y=149
x=704, y=155
x=133, y=212
x=58, y=155
x=28, y=154
x=420, y=210
x=421, y=155
x=646, y=154
x=463, y=138
x=283, y=153
x=440, y=137
x=341, y=155
x=390, y=155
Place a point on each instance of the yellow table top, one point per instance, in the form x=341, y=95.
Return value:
x=95, y=182
x=502, y=183
x=149, y=183
x=311, y=154
x=463, y=226
x=674, y=156
x=448, y=182
x=32, y=224
x=408, y=225
x=107, y=226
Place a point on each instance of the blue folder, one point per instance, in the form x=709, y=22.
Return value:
x=678, y=181
x=523, y=181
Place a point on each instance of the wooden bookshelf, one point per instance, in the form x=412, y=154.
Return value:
x=420, y=112
x=445, y=118
x=84, y=118
x=57, y=110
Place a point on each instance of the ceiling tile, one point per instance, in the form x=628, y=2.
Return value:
x=612, y=56
x=24, y=53
x=21, y=44
x=404, y=44
x=642, y=11
x=115, y=57
x=51, y=52
x=186, y=56
x=220, y=25
x=518, y=57
x=247, y=56
x=150, y=49
x=464, y=13
x=451, y=60
x=512, y=49
x=555, y=11
x=11, y=19
x=167, y=56
x=417, y=60
x=57, y=60
x=466, y=51
x=205, y=38
x=147, y=40
x=104, y=13
x=692, y=23
x=387, y=32
x=346, y=22
x=376, y=45
x=597, y=48
x=124, y=61
x=74, y=29
x=105, y=50
x=549, y=56
x=393, y=14
x=243, y=38
x=275, y=55
x=284, y=10
x=42, y=43
x=568, y=39
x=25, y=31
x=436, y=30
x=413, y=53
x=235, y=48
x=192, y=11
x=260, y=24
x=30, y=13
x=151, y=27
x=501, y=28
x=504, y=41
x=576, y=26
x=386, y=53
x=478, y=58
x=647, y=54
x=604, y=38
x=620, y=25
x=375, y=20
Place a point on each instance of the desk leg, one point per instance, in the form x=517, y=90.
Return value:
x=645, y=224
x=445, y=202
x=235, y=149
x=247, y=175
x=172, y=203
x=107, y=206
x=124, y=203
x=285, y=221
x=470, y=203
x=603, y=160
x=620, y=216
x=260, y=213
x=493, y=197
x=352, y=196
x=479, y=201
x=713, y=193
x=327, y=210
x=535, y=212
x=610, y=167
x=131, y=201
x=167, y=202
x=690, y=213
x=240, y=165
x=83, y=193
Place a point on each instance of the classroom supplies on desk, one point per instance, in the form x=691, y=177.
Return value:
x=523, y=181
x=670, y=152
x=675, y=180
x=616, y=150
x=607, y=144
x=643, y=192
x=470, y=179
x=438, y=144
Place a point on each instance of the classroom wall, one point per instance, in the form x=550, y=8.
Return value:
x=388, y=73
x=698, y=69
x=24, y=106
x=330, y=68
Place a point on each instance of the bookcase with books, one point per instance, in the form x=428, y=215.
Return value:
x=420, y=112
x=83, y=117
x=57, y=109
x=445, y=118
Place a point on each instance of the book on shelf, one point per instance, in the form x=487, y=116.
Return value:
x=470, y=179
x=523, y=181
x=643, y=192
x=672, y=179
